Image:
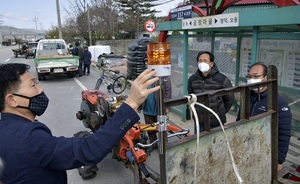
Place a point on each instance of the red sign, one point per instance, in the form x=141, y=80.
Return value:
x=150, y=26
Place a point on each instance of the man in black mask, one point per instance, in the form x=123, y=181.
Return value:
x=30, y=153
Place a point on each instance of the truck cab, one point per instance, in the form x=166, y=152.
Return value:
x=31, y=50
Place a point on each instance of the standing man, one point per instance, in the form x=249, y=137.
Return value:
x=31, y=153
x=259, y=104
x=150, y=106
x=207, y=78
x=70, y=49
x=78, y=51
x=87, y=56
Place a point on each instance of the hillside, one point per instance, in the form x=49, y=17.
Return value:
x=10, y=31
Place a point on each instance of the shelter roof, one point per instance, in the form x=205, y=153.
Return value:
x=243, y=2
x=247, y=2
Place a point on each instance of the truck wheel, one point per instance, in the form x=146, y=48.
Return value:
x=71, y=74
x=16, y=54
x=26, y=56
x=41, y=77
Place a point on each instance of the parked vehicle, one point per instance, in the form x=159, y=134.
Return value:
x=21, y=51
x=52, y=57
x=31, y=49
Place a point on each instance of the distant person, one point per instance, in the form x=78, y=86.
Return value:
x=208, y=78
x=32, y=155
x=70, y=49
x=259, y=104
x=24, y=47
x=87, y=56
x=78, y=51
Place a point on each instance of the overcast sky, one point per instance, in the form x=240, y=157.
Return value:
x=41, y=14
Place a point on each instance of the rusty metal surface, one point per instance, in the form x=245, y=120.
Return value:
x=251, y=147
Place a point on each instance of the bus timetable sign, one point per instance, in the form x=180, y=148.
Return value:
x=184, y=12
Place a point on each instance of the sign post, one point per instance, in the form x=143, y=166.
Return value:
x=150, y=26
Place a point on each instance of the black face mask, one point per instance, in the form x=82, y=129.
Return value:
x=37, y=104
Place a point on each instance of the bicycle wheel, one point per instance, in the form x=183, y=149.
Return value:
x=119, y=84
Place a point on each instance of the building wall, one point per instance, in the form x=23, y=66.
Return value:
x=119, y=47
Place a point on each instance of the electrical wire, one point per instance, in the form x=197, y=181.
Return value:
x=192, y=101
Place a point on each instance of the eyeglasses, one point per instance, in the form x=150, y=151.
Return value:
x=253, y=76
x=205, y=61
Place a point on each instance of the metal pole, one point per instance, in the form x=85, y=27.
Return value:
x=58, y=20
x=89, y=24
x=0, y=31
x=162, y=132
x=35, y=21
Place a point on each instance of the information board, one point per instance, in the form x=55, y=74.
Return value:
x=284, y=54
x=181, y=13
x=223, y=20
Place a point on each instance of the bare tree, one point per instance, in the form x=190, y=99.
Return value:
x=104, y=19
x=107, y=19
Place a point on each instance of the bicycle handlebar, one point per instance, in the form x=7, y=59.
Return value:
x=109, y=70
x=184, y=132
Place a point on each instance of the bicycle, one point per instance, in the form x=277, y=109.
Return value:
x=119, y=82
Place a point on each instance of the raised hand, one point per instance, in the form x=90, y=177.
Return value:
x=139, y=88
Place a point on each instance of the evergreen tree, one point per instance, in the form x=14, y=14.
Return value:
x=135, y=13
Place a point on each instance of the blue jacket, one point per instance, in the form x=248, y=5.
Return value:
x=150, y=105
x=33, y=156
x=284, y=120
x=87, y=56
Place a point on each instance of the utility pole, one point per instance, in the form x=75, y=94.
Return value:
x=58, y=20
x=1, y=22
x=89, y=24
x=35, y=20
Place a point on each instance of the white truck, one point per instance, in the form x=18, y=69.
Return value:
x=52, y=57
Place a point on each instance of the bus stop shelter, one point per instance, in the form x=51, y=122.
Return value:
x=240, y=36
x=239, y=33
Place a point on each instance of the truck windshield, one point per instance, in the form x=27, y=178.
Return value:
x=32, y=44
x=53, y=46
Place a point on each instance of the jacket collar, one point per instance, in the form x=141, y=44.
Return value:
x=14, y=117
x=255, y=96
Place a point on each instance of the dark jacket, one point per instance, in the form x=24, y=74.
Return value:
x=87, y=56
x=150, y=105
x=78, y=51
x=33, y=156
x=284, y=120
x=214, y=81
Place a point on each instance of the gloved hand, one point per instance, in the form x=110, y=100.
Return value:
x=139, y=88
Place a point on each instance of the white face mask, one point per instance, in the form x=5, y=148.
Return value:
x=203, y=67
x=252, y=81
